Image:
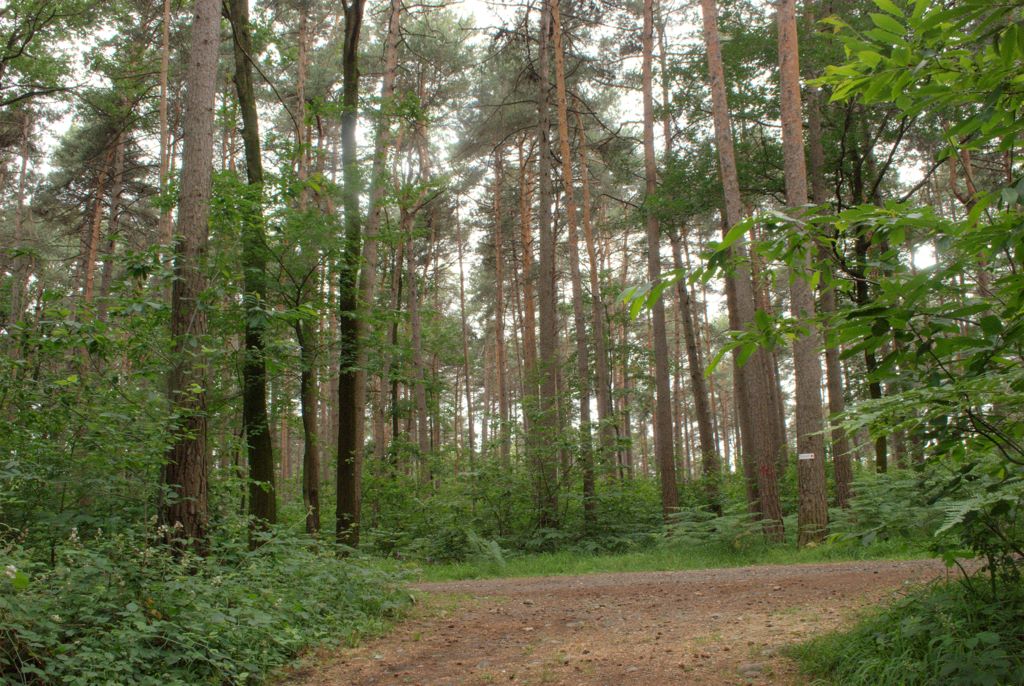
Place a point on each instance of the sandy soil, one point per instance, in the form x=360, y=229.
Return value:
x=716, y=626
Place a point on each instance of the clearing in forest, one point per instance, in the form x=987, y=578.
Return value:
x=715, y=626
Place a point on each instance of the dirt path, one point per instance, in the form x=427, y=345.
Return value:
x=718, y=626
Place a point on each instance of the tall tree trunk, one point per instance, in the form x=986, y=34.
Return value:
x=415, y=327
x=415, y=321
x=113, y=227
x=861, y=291
x=833, y=367
x=663, y=395
x=545, y=429
x=530, y=388
x=746, y=451
x=625, y=387
x=92, y=238
x=299, y=115
x=185, y=473
x=605, y=412
x=18, y=264
x=331, y=429
x=517, y=327
x=165, y=229
x=813, y=502
x=719, y=419
x=397, y=283
x=710, y=463
x=501, y=365
x=305, y=331
x=465, y=351
x=378, y=185
x=586, y=451
x=762, y=443
x=351, y=396
x=305, y=335
x=255, y=422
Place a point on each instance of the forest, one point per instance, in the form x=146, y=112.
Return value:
x=303, y=302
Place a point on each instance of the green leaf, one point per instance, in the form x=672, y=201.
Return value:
x=981, y=204
x=887, y=23
x=735, y=233
x=890, y=7
x=869, y=57
x=20, y=581
x=762, y=320
x=919, y=8
x=991, y=325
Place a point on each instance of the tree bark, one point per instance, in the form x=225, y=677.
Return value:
x=378, y=185
x=113, y=227
x=501, y=364
x=545, y=429
x=304, y=335
x=305, y=331
x=416, y=343
x=530, y=387
x=351, y=396
x=465, y=351
x=18, y=263
x=164, y=228
x=255, y=422
x=663, y=395
x=93, y=237
x=759, y=431
x=710, y=463
x=833, y=368
x=586, y=452
x=605, y=411
x=185, y=474
x=813, y=503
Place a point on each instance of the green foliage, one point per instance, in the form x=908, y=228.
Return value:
x=80, y=447
x=947, y=350
x=886, y=507
x=736, y=529
x=949, y=633
x=671, y=554
x=454, y=543
x=36, y=36
x=118, y=608
x=489, y=514
x=925, y=56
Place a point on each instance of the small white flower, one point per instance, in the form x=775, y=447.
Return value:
x=55, y=618
x=11, y=571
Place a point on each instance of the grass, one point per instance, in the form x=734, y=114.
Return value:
x=946, y=633
x=662, y=558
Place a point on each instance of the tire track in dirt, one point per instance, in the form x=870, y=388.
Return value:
x=706, y=627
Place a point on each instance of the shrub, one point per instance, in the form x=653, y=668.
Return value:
x=736, y=529
x=955, y=633
x=117, y=609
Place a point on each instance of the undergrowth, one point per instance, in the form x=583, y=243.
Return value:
x=959, y=633
x=695, y=539
x=120, y=609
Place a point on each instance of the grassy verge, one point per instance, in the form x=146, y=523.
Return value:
x=946, y=633
x=662, y=558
